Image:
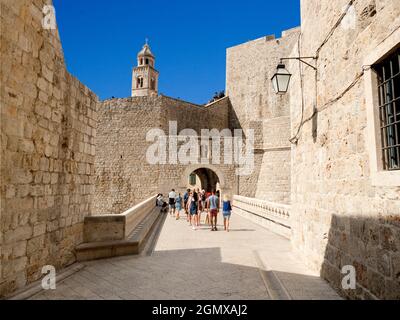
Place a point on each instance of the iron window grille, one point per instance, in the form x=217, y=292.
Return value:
x=192, y=179
x=388, y=72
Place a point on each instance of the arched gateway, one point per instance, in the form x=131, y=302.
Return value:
x=208, y=177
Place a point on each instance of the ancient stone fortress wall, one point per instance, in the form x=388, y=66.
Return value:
x=124, y=177
x=250, y=67
x=339, y=215
x=196, y=117
x=47, y=149
x=190, y=116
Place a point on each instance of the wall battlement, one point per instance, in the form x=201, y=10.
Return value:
x=269, y=38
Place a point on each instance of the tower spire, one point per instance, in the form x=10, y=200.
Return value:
x=145, y=76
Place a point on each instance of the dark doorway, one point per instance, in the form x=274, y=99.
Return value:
x=204, y=179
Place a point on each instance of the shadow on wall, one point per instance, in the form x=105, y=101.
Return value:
x=234, y=122
x=315, y=125
x=372, y=247
x=247, y=185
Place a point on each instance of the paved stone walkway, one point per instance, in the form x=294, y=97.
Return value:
x=196, y=265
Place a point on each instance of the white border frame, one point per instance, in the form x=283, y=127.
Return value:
x=379, y=177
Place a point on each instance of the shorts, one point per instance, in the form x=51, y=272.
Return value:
x=193, y=210
x=172, y=206
x=226, y=215
x=214, y=212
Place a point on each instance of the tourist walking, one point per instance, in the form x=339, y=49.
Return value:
x=178, y=205
x=200, y=207
x=207, y=220
x=171, y=202
x=213, y=204
x=185, y=203
x=202, y=204
x=226, y=212
x=196, y=197
x=192, y=204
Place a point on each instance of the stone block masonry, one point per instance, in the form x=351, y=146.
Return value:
x=253, y=104
x=123, y=175
x=48, y=126
x=339, y=216
x=341, y=213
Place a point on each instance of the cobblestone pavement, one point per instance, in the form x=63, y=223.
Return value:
x=188, y=264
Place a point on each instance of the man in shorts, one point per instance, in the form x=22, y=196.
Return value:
x=171, y=202
x=213, y=205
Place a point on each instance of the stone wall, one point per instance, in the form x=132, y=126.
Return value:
x=124, y=176
x=338, y=216
x=47, y=149
x=250, y=66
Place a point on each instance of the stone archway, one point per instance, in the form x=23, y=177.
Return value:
x=210, y=173
x=210, y=168
x=208, y=179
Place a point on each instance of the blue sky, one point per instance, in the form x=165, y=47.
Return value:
x=189, y=38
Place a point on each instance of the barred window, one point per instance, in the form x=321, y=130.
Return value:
x=388, y=72
x=192, y=179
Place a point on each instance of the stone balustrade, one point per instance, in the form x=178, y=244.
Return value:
x=273, y=216
x=112, y=227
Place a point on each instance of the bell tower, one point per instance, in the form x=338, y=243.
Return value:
x=145, y=76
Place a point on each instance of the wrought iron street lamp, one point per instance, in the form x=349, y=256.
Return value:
x=281, y=78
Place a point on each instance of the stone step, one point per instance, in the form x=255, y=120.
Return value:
x=275, y=287
x=286, y=278
x=154, y=234
x=36, y=287
x=132, y=245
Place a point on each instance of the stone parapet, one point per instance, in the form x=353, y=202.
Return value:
x=273, y=216
x=112, y=227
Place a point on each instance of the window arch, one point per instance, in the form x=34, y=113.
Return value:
x=139, y=82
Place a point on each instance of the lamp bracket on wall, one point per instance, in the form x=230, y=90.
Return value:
x=302, y=59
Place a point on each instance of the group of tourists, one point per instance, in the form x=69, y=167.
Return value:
x=195, y=203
